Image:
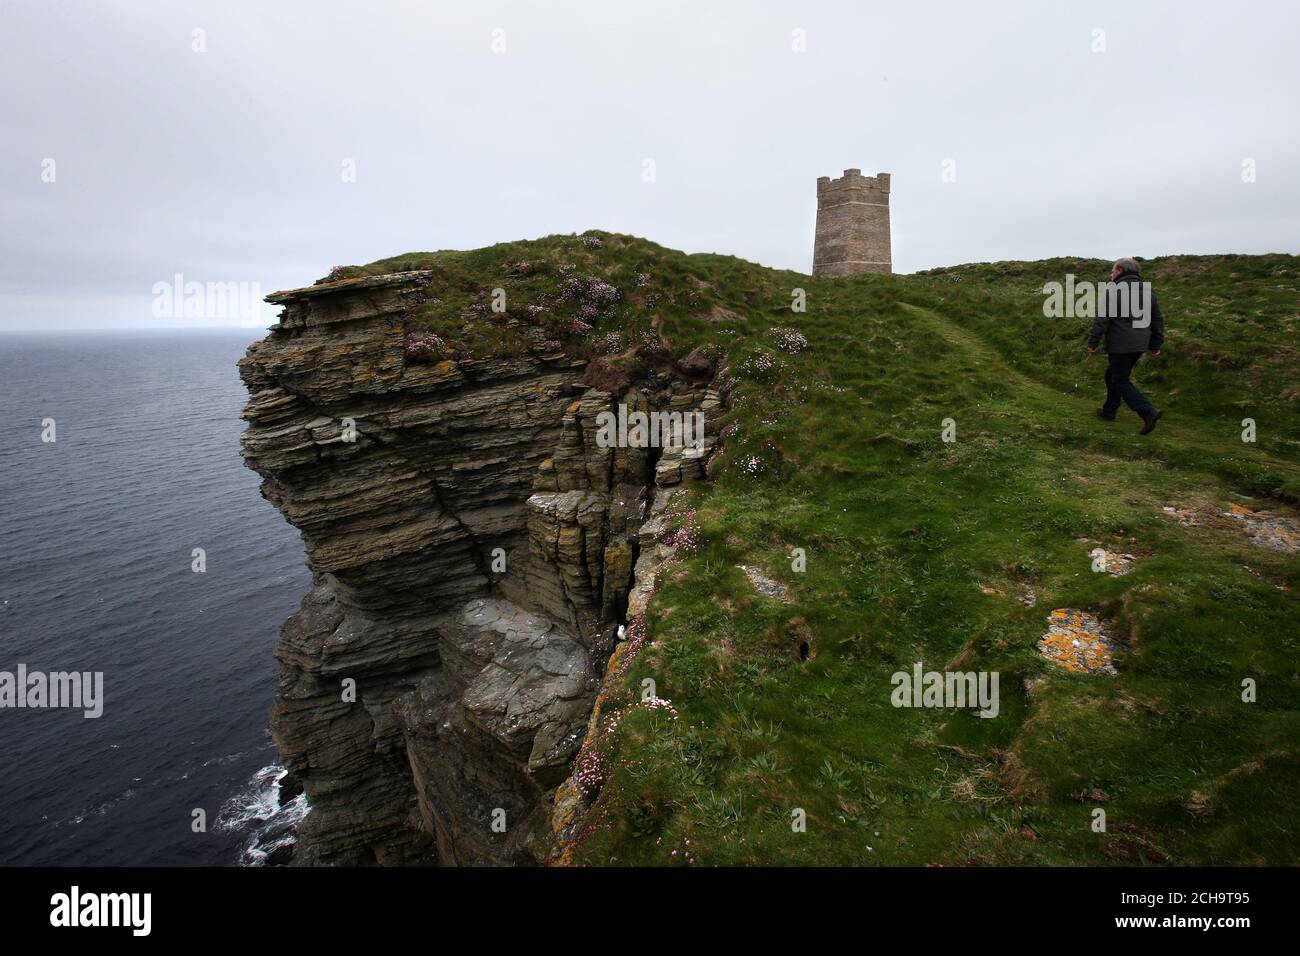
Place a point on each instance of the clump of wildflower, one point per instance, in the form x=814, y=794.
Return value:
x=758, y=365
x=591, y=242
x=635, y=636
x=602, y=293
x=681, y=540
x=590, y=290
x=659, y=704
x=643, y=279
x=610, y=343
x=590, y=765
x=684, y=537
x=521, y=268
x=652, y=345
x=789, y=340
x=751, y=465
x=336, y=273
x=579, y=327
x=589, y=771
x=424, y=347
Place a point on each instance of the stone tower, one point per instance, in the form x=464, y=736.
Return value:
x=852, y=225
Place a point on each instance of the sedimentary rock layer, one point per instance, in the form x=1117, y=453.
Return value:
x=472, y=548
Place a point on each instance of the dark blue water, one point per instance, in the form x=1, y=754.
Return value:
x=97, y=531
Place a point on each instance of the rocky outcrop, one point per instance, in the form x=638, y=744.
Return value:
x=491, y=732
x=472, y=547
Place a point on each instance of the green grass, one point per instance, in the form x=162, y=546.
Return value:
x=900, y=529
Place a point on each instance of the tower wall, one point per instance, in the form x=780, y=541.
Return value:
x=852, y=225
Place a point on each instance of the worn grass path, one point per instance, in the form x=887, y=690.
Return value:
x=1182, y=436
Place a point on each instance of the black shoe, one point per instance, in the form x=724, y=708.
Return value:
x=1101, y=413
x=1149, y=422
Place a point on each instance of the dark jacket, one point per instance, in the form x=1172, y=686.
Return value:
x=1128, y=322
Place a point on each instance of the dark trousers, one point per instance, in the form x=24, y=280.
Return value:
x=1120, y=386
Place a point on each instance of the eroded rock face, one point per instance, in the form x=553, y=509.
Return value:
x=425, y=685
x=493, y=731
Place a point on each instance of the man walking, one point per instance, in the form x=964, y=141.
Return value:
x=1130, y=319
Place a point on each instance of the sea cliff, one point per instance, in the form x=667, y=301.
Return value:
x=472, y=547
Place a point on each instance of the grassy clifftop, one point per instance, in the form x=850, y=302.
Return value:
x=952, y=554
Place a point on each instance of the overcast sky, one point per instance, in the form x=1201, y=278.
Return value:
x=229, y=164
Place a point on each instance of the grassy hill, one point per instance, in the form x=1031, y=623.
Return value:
x=924, y=550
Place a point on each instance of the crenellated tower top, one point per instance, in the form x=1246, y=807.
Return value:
x=852, y=225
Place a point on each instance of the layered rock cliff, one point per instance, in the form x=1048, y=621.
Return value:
x=472, y=546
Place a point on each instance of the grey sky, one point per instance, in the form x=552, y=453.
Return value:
x=226, y=165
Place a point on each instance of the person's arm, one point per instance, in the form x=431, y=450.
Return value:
x=1157, y=325
x=1100, y=322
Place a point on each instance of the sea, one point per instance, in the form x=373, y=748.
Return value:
x=134, y=543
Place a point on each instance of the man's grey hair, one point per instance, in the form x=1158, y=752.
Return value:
x=1128, y=265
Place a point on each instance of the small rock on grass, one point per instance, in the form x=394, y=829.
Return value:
x=1268, y=530
x=764, y=585
x=1078, y=642
x=1263, y=528
x=1114, y=563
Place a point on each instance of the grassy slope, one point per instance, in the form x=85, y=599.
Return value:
x=901, y=528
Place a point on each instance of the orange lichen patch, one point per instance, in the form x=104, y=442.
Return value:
x=1078, y=642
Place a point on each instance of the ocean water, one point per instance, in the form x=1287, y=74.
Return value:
x=97, y=533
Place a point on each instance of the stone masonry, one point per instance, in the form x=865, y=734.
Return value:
x=852, y=225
